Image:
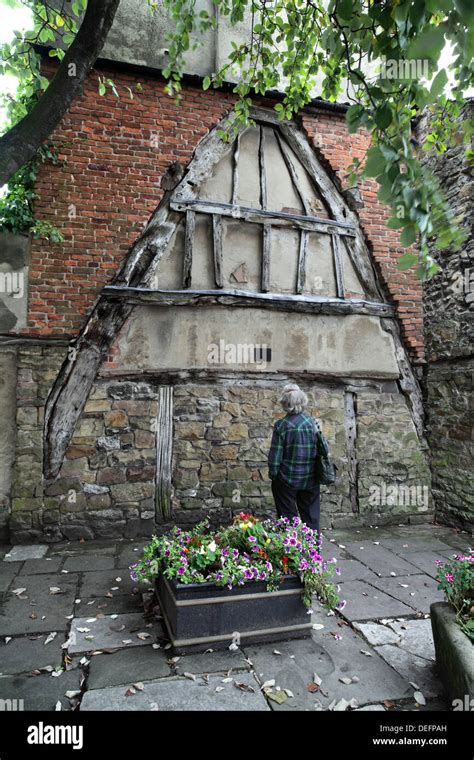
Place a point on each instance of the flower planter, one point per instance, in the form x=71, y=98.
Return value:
x=201, y=615
x=454, y=655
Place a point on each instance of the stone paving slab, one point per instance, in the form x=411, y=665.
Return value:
x=213, y=662
x=127, y=667
x=7, y=573
x=29, y=551
x=41, y=566
x=180, y=694
x=371, y=708
x=412, y=668
x=365, y=602
x=353, y=570
x=123, y=603
x=41, y=692
x=299, y=660
x=416, y=637
x=415, y=543
x=27, y=653
x=75, y=548
x=130, y=553
x=380, y=559
x=15, y=613
x=425, y=561
x=99, y=583
x=377, y=634
x=89, y=563
x=108, y=633
x=424, y=590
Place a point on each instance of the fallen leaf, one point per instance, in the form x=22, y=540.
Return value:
x=318, y=626
x=18, y=591
x=355, y=679
x=419, y=697
x=51, y=637
x=394, y=575
x=126, y=641
x=275, y=651
x=58, y=706
x=226, y=680
x=139, y=686
x=277, y=696
x=130, y=692
x=244, y=687
x=317, y=679
x=55, y=590
x=7, y=639
x=233, y=647
x=91, y=620
x=191, y=676
x=118, y=580
x=312, y=687
x=415, y=685
x=367, y=654
x=388, y=703
x=341, y=706
x=83, y=630
x=72, y=694
x=156, y=646
x=220, y=688
x=268, y=684
x=288, y=693
x=346, y=680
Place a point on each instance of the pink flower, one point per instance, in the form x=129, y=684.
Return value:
x=449, y=577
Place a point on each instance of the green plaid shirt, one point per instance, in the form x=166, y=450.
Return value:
x=293, y=451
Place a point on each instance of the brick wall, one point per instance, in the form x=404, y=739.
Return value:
x=115, y=152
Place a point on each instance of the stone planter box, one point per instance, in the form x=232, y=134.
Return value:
x=454, y=655
x=202, y=615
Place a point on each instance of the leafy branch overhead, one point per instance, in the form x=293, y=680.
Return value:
x=382, y=57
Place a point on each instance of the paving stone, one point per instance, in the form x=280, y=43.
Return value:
x=30, y=551
x=331, y=660
x=72, y=549
x=180, y=694
x=41, y=566
x=89, y=563
x=41, y=692
x=379, y=559
x=414, y=543
x=425, y=561
x=117, y=604
x=26, y=653
x=212, y=662
x=353, y=570
x=412, y=668
x=377, y=634
x=107, y=634
x=15, y=612
x=127, y=666
x=99, y=583
x=365, y=602
x=7, y=573
x=371, y=708
x=425, y=591
x=416, y=637
x=130, y=553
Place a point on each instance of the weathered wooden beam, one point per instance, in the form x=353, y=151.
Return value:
x=292, y=172
x=262, y=216
x=350, y=426
x=266, y=248
x=280, y=301
x=338, y=268
x=301, y=274
x=217, y=240
x=188, y=248
x=235, y=171
x=263, y=174
x=164, y=450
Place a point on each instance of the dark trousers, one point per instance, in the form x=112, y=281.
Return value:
x=290, y=501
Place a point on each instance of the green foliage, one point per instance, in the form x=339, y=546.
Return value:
x=16, y=205
x=456, y=579
x=295, y=45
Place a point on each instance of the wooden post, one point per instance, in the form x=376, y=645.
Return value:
x=235, y=171
x=263, y=174
x=164, y=450
x=301, y=276
x=266, y=246
x=188, y=248
x=338, y=270
x=217, y=237
x=350, y=424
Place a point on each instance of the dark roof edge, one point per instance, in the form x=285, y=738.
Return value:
x=196, y=80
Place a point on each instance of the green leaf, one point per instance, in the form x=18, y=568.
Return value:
x=439, y=83
x=206, y=83
x=428, y=44
x=102, y=88
x=383, y=116
x=408, y=236
x=354, y=117
x=375, y=163
x=406, y=261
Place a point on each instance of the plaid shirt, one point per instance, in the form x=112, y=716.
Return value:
x=293, y=451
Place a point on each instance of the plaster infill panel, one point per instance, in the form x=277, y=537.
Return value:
x=216, y=337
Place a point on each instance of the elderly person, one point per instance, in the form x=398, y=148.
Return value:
x=291, y=460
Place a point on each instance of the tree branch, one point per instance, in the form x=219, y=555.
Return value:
x=21, y=142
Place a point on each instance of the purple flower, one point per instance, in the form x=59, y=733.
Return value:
x=337, y=636
x=181, y=570
x=167, y=552
x=292, y=541
x=252, y=539
x=248, y=573
x=225, y=552
x=449, y=577
x=341, y=604
x=438, y=563
x=338, y=571
x=235, y=553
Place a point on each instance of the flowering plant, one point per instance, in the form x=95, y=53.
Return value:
x=456, y=579
x=248, y=550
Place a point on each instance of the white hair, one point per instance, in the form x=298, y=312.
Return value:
x=293, y=399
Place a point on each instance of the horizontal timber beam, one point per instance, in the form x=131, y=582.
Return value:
x=278, y=301
x=263, y=216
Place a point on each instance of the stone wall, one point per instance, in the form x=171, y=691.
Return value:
x=449, y=334
x=221, y=434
